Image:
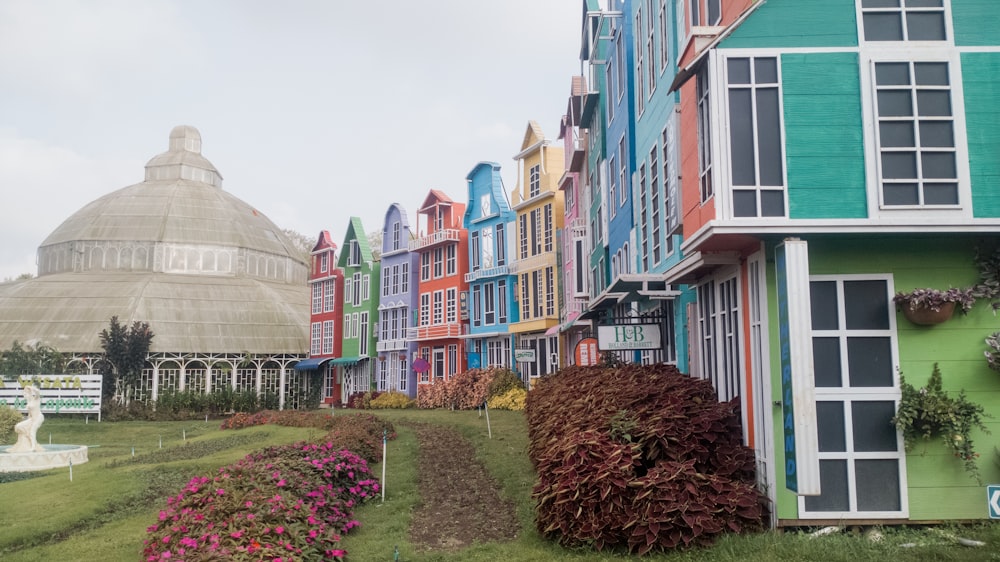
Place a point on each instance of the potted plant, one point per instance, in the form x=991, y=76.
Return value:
x=932, y=306
x=930, y=412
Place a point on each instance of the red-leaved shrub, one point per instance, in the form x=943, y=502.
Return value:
x=640, y=457
x=464, y=391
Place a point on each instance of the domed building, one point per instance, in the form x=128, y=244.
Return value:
x=220, y=285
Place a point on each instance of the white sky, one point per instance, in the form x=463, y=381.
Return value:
x=312, y=110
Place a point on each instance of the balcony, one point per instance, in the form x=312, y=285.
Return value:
x=390, y=345
x=578, y=227
x=436, y=332
x=487, y=273
x=538, y=261
x=577, y=305
x=445, y=235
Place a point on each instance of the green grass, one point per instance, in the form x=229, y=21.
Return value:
x=103, y=513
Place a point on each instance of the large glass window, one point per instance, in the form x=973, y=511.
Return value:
x=903, y=20
x=757, y=158
x=534, y=181
x=916, y=137
x=704, y=135
x=317, y=298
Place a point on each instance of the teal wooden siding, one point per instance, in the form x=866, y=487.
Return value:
x=981, y=83
x=972, y=25
x=824, y=138
x=937, y=485
x=794, y=23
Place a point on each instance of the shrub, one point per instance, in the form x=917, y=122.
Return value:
x=640, y=457
x=513, y=399
x=391, y=400
x=504, y=380
x=466, y=390
x=362, y=400
x=9, y=417
x=291, y=501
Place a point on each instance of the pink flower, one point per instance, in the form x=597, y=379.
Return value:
x=165, y=555
x=249, y=504
x=281, y=483
x=279, y=529
x=166, y=539
x=220, y=491
x=236, y=534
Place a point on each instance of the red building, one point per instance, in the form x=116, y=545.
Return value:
x=326, y=284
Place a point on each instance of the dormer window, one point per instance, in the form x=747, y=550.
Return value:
x=534, y=181
x=324, y=263
x=903, y=20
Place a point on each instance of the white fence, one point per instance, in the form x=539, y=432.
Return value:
x=61, y=394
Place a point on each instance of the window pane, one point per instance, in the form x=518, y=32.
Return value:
x=923, y=3
x=745, y=202
x=883, y=27
x=765, y=70
x=880, y=3
x=866, y=305
x=826, y=362
x=878, y=484
x=936, y=133
x=873, y=429
x=895, y=103
x=833, y=483
x=899, y=165
x=742, y=144
x=933, y=103
x=830, y=426
x=938, y=165
x=739, y=71
x=940, y=194
x=901, y=194
x=869, y=362
x=892, y=73
x=772, y=203
x=769, y=137
x=924, y=26
x=823, y=304
x=930, y=73
x=896, y=133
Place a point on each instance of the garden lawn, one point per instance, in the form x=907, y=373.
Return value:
x=103, y=514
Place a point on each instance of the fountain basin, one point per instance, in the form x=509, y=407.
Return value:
x=54, y=456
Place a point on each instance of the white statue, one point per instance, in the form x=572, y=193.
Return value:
x=27, y=429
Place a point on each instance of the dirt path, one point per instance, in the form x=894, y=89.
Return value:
x=460, y=501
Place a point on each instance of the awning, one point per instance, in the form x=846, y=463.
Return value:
x=311, y=364
x=345, y=360
x=553, y=330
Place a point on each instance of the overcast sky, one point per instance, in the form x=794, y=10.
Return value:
x=312, y=110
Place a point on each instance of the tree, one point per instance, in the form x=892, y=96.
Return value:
x=38, y=359
x=301, y=243
x=375, y=243
x=125, y=351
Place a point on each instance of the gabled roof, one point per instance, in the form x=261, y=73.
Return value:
x=435, y=197
x=324, y=242
x=501, y=205
x=532, y=136
x=354, y=227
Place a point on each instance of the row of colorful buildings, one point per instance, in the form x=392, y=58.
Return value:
x=745, y=184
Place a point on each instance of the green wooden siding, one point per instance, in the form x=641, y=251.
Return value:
x=980, y=79
x=794, y=23
x=938, y=486
x=824, y=138
x=972, y=27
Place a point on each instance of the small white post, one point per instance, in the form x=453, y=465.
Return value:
x=50, y=438
x=206, y=418
x=184, y=434
x=133, y=450
x=71, y=470
x=161, y=441
x=488, y=428
x=383, y=464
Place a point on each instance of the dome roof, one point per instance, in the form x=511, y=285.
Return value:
x=210, y=273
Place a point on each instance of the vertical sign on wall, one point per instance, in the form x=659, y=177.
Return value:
x=798, y=394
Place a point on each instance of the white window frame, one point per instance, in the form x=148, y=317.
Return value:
x=328, y=337
x=316, y=338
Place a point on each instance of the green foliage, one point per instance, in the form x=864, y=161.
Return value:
x=988, y=263
x=125, y=351
x=513, y=400
x=930, y=412
x=39, y=359
x=9, y=417
x=640, y=457
x=391, y=400
x=504, y=380
x=993, y=353
x=934, y=299
x=190, y=450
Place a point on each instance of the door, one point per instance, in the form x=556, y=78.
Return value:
x=439, y=365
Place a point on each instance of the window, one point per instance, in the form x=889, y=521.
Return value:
x=705, y=12
x=395, y=236
x=327, y=337
x=474, y=246
x=903, y=20
x=622, y=172
x=363, y=335
x=384, y=333
x=329, y=292
x=664, y=24
x=547, y=228
x=438, y=218
x=357, y=289
x=718, y=323
x=348, y=290
x=644, y=226
x=355, y=324
x=501, y=245
x=489, y=304
x=438, y=307
x=476, y=304
x=395, y=279
x=451, y=303
x=386, y=281
x=525, y=297
x=438, y=263
x=534, y=181
x=609, y=96
x=915, y=136
x=502, y=301
x=861, y=459
x=425, y=309
x=324, y=262
x=450, y=259
x=654, y=208
x=704, y=136
x=488, y=247
x=536, y=232
x=317, y=298
x=757, y=161
x=619, y=65
x=316, y=338
x=405, y=282
x=366, y=287
x=354, y=253
x=452, y=359
x=523, y=220
x=425, y=266
x=536, y=296
x=613, y=192
x=550, y=292
x=579, y=268
x=640, y=62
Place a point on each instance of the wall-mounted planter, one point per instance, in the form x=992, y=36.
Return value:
x=926, y=316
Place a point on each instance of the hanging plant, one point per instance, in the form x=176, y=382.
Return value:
x=931, y=412
x=933, y=306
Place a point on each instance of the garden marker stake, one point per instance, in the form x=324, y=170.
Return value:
x=161, y=441
x=488, y=428
x=71, y=470
x=383, y=465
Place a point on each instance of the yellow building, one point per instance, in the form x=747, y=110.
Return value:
x=538, y=203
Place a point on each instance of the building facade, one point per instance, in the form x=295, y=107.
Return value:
x=361, y=299
x=398, y=302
